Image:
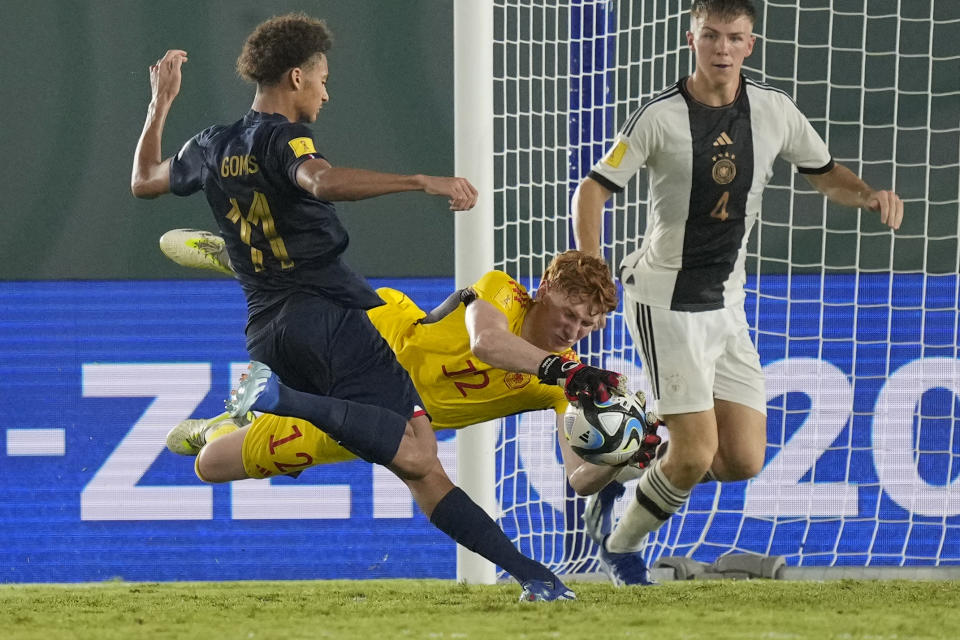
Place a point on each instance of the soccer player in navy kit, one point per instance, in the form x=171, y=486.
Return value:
x=708, y=144
x=271, y=194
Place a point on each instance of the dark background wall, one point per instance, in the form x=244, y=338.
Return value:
x=74, y=93
x=74, y=90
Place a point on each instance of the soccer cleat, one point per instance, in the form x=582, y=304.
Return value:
x=625, y=568
x=598, y=515
x=546, y=591
x=188, y=437
x=258, y=384
x=196, y=249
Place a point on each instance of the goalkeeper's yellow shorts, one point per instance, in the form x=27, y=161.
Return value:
x=276, y=445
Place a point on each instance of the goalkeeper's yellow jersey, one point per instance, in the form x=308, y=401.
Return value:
x=458, y=389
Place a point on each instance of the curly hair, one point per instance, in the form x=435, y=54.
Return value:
x=726, y=10
x=584, y=276
x=280, y=44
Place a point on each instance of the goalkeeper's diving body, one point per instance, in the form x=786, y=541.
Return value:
x=316, y=354
x=478, y=356
x=708, y=143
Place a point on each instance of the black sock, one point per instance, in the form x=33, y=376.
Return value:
x=371, y=432
x=463, y=520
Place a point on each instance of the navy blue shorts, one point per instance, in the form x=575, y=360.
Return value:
x=319, y=347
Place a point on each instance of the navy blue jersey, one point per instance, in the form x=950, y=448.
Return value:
x=281, y=239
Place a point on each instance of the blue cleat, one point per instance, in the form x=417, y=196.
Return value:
x=546, y=591
x=625, y=568
x=257, y=390
x=598, y=515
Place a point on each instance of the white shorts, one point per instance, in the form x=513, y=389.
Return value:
x=693, y=357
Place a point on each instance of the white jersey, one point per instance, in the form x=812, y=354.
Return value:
x=707, y=168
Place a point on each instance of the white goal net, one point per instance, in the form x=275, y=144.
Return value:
x=857, y=327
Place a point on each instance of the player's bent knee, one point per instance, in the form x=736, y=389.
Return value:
x=215, y=466
x=743, y=469
x=206, y=470
x=415, y=467
x=752, y=467
x=687, y=466
x=416, y=458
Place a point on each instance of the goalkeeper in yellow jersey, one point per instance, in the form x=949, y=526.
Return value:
x=478, y=356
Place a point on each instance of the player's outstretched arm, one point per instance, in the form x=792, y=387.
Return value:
x=587, y=208
x=844, y=187
x=492, y=341
x=585, y=479
x=337, y=184
x=151, y=173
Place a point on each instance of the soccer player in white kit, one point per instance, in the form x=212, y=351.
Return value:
x=708, y=143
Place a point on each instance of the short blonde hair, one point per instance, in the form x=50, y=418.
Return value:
x=725, y=10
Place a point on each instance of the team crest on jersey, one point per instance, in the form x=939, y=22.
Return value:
x=676, y=384
x=724, y=170
x=515, y=380
x=510, y=293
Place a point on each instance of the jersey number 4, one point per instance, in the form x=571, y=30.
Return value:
x=720, y=209
x=259, y=214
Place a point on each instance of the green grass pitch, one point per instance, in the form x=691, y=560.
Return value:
x=777, y=610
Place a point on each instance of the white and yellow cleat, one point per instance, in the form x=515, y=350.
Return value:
x=191, y=435
x=197, y=249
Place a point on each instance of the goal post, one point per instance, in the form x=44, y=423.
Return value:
x=858, y=328
x=473, y=244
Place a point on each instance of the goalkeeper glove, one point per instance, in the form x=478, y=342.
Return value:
x=652, y=446
x=647, y=452
x=578, y=379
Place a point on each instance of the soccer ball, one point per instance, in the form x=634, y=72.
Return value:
x=607, y=432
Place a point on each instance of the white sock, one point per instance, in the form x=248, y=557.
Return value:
x=656, y=500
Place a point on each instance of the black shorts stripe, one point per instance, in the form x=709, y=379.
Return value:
x=654, y=365
x=647, y=346
x=642, y=345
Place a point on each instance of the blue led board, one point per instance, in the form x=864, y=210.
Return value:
x=93, y=374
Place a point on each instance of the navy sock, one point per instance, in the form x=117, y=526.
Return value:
x=371, y=432
x=463, y=520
